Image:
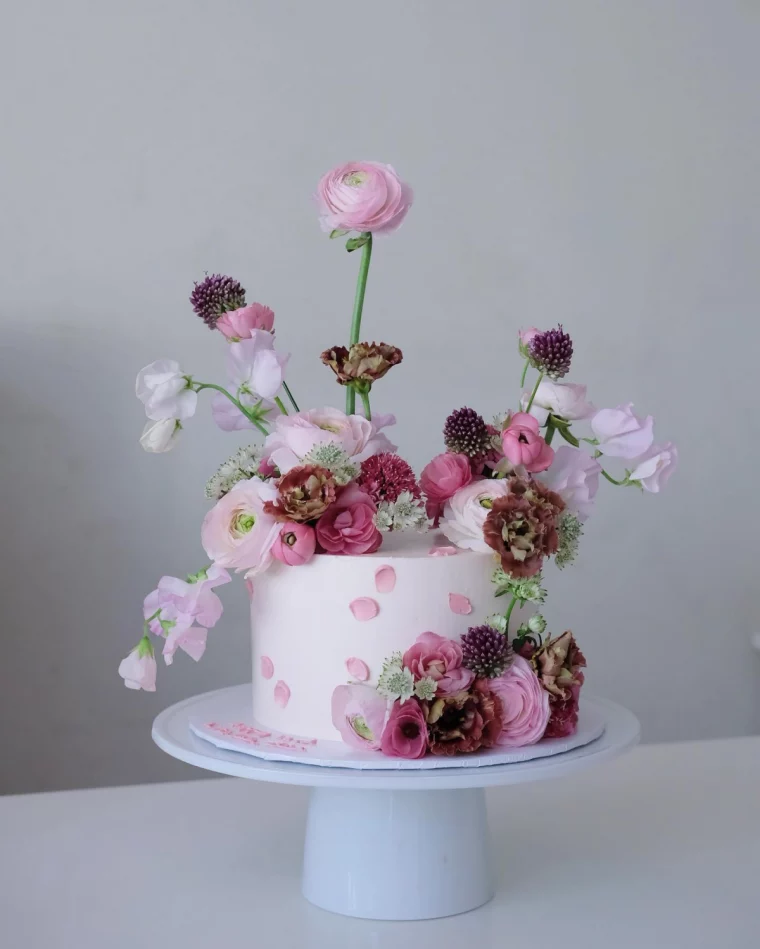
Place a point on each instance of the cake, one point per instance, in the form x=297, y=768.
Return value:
x=394, y=613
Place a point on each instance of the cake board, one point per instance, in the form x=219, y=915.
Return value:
x=389, y=844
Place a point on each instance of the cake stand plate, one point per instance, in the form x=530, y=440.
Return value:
x=394, y=844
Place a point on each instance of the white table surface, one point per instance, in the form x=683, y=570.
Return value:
x=659, y=849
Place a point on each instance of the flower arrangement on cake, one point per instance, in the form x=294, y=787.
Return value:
x=327, y=483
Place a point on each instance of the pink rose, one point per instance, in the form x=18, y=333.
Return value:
x=358, y=712
x=465, y=513
x=523, y=445
x=655, y=466
x=295, y=544
x=525, y=705
x=621, y=434
x=405, y=734
x=237, y=532
x=348, y=525
x=440, y=659
x=294, y=436
x=239, y=324
x=363, y=196
x=574, y=476
x=442, y=477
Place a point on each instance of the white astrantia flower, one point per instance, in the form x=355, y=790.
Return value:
x=405, y=513
x=526, y=589
x=425, y=689
x=396, y=682
x=241, y=466
x=498, y=621
x=570, y=531
x=335, y=460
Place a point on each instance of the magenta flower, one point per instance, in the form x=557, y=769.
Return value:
x=242, y=323
x=348, y=525
x=363, y=196
x=358, y=712
x=405, y=734
x=436, y=657
x=295, y=544
x=442, y=477
x=523, y=445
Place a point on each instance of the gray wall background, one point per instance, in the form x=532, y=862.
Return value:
x=589, y=162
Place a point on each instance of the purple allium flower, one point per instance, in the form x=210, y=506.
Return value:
x=214, y=296
x=551, y=352
x=465, y=432
x=486, y=651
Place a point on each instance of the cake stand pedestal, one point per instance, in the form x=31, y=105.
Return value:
x=390, y=844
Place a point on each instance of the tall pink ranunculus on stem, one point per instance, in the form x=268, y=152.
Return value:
x=369, y=198
x=523, y=445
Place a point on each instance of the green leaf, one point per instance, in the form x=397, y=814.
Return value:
x=337, y=233
x=354, y=243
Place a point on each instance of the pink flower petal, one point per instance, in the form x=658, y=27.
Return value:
x=364, y=608
x=442, y=551
x=385, y=579
x=249, y=587
x=267, y=667
x=281, y=694
x=358, y=668
x=459, y=604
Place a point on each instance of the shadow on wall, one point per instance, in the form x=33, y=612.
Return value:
x=86, y=533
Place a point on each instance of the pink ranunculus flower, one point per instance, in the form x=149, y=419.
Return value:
x=574, y=476
x=442, y=477
x=358, y=712
x=187, y=602
x=523, y=445
x=295, y=544
x=566, y=399
x=348, y=524
x=363, y=196
x=405, y=733
x=440, y=659
x=237, y=532
x=138, y=669
x=465, y=512
x=621, y=434
x=254, y=366
x=294, y=436
x=655, y=466
x=241, y=323
x=164, y=389
x=525, y=705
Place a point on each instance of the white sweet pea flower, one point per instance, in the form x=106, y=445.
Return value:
x=566, y=399
x=655, y=466
x=621, y=434
x=160, y=436
x=165, y=391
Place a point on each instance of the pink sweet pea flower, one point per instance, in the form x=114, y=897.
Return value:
x=440, y=659
x=348, y=525
x=358, y=712
x=191, y=640
x=184, y=603
x=138, y=669
x=230, y=419
x=295, y=544
x=241, y=323
x=405, y=734
x=655, y=466
x=621, y=434
x=254, y=366
x=363, y=196
x=574, y=476
x=237, y=532
x=523, y=445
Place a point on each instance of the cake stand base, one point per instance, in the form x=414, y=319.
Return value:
x=389, y=844
x=425, y=855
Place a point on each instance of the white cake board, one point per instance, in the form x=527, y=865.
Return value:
x=375, y=846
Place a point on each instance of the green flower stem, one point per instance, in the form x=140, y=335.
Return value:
x=365, y=402
x=280, y=406
x=200, y=386
x=533, y=393
x=146, y=628
x=524, y=373
x=356, y=319
x=508, y=614
x=289, y=394
x=550, y=430
x=614, y=480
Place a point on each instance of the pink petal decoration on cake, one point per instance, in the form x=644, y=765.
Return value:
x=385, y=579
x=443, y=551
x=364, y=608
x=281, y=694
x=267, y=667
x=357, y=668
x=459, y=604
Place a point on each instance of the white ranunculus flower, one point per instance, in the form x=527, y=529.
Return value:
x=160, y=436
x=465, y=513
x=566, y=399
x=165, y=391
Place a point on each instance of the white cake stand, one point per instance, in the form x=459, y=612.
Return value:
x=389, y=844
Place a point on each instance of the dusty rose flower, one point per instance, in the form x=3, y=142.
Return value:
x=525, y=705
x=363, y=362
x=348, y=526
x=559, y=664
x=464, y=722
x=295, y=545
x=523, y=445
x=522, y=527
x=436, y=657
x=239, y=324
x=405, y=734
x=303, y=494
x=363, y=196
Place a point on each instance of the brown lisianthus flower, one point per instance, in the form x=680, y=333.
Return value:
x=363, y=362
x=305, y=493
x=464, y=721
x=559, y=664
x=522, y=527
